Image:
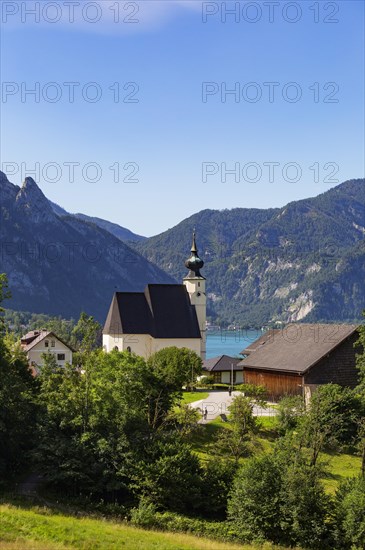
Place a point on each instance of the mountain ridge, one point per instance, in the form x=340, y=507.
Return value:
x=62, y=265
x=304, y=261
x=294, y=263
x=118, y=231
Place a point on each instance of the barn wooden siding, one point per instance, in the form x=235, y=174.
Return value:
x=277, y=384
x=338, y=367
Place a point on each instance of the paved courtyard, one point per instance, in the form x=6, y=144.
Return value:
x=218, y=402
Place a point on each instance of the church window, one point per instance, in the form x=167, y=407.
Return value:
x=129, y=349
x=198, y=284
x=116, y=348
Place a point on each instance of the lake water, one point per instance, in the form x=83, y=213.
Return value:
x=230, y=342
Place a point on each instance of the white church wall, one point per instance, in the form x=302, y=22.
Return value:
x=144, y=345
x=140, y=344
x=190, y=343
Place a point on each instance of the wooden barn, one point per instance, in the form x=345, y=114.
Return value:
x=296, y=359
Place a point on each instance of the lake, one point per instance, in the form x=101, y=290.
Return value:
x=227, y=342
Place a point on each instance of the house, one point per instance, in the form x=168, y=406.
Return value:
x=37, y=342
x=222, y=368
x=161, y=316
x=296, y=359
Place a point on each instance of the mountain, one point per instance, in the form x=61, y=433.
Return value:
x=305, y=261
x=60, y=264
x=117, y=230
x=302, y=262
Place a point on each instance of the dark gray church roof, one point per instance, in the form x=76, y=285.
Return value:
x=163, y=311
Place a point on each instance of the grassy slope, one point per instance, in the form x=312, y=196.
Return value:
x=39, y=529
x=339, y=466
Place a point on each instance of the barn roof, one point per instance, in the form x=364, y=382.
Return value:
x=221, y=363
x=268, y=336
x=163, y=311
x=295, y=348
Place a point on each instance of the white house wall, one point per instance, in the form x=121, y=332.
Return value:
x=35, y=354
x=237, y=377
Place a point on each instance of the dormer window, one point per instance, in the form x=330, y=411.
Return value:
x=46, y=344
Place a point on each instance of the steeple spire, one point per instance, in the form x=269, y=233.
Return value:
x=193, y=246
x=194, y=263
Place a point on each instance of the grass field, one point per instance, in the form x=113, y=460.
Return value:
x=40, y=529
x=339, y=465
x=191, y=396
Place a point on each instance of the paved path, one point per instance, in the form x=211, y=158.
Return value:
x=218, y=403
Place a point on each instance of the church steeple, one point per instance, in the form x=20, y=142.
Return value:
x=194, y=263
x=195, y=285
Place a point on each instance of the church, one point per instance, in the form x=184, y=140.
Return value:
x=162, y=316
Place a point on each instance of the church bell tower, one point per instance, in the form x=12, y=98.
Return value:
x=195, y=285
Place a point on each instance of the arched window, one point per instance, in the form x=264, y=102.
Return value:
x=129, y=349
x=116, y=348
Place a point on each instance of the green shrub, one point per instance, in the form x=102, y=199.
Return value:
x=220, y=530
x=290, y=410
x=145, y=514
x=217, y=482
x=205, y=381
x=349, y=514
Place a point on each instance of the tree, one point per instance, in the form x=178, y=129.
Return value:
x=4, y=294
x=17, y=403
x=184, y=419
x=86, y=335
x=216, y=485
x=93, y=421
x=279, y=497
x=290, y=411
x=255, y=501
x=238, y=437
x=170, y=369
x=360, y=392
x=349, y=514
x=177, y=367
x=361, y=443
x=170, y=476
x=255, y=393
x=305, y=506
x=330, y=420
x=360, y=358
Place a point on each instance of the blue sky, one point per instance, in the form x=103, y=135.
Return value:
x=172, y=145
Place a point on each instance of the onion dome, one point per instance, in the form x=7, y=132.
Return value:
x=194, y=263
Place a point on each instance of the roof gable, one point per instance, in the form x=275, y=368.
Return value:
x=221, y=363
x=33, y=338
x=296, y=348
